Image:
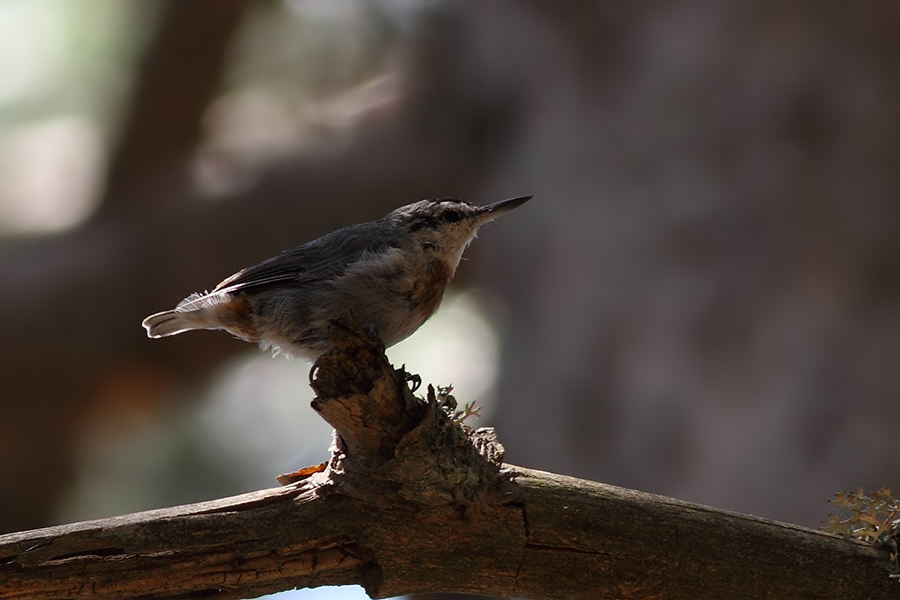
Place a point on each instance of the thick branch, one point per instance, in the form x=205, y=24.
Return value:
x=411, y=501
x=559, y=538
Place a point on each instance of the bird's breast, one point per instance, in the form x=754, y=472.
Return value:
x=428, y=289
x=395, y=292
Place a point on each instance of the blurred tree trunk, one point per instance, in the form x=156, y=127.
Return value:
x=176, y=81
x=708, y=279
x=61, y=296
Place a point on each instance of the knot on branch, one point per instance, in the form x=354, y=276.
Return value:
x=390, y=443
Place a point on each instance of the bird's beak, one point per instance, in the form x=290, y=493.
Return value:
x=492, y=211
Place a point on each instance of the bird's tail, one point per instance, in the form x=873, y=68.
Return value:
x=192, y=313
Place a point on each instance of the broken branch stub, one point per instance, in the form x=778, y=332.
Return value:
x=361, y=395
x=388, y=442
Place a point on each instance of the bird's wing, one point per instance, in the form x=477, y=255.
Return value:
x=323, y=258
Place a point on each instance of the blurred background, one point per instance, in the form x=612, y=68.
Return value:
x=702, y=300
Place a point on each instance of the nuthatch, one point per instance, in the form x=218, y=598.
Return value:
x=390, y=272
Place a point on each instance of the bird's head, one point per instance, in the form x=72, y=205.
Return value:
x=445, y=227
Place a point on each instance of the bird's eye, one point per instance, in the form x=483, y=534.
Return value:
x=452, y=216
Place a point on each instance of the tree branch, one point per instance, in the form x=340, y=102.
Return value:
x=410, y=501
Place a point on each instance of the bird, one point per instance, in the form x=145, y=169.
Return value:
x=391, y=273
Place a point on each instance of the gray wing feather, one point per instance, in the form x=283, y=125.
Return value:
x=325, y=257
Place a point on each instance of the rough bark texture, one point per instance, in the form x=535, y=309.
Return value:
x=554, y=537
x=411, y=501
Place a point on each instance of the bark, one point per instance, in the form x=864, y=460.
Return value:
x=411, y=501
x=553, y=537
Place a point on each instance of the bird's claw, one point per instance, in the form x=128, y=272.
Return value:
x=416, y=381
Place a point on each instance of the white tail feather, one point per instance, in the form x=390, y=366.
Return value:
x=172, y=322
x=194, y=312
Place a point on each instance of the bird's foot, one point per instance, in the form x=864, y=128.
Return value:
x=413, y=378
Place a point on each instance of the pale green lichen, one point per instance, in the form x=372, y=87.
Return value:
x=448, y=402
x=873, y=518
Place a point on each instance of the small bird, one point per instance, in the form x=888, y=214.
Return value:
x=390, y=272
